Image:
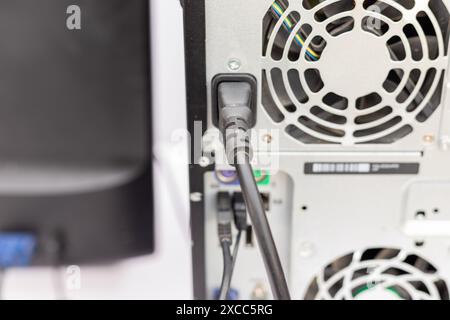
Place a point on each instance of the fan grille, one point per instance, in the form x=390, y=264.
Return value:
x=353, y=72
x=378, y=273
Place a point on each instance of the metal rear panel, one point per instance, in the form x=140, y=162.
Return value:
x=348, y=215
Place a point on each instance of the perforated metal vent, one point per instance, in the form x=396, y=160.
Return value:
x=353, y=72
x=379, y=274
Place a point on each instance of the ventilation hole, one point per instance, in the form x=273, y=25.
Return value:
x=400, y=292
x=326, y=116
x=410, y=85
x=363, y=272
x=443, y=17
x=420, y=286
x=393, y=80
x=408, y=4
x=392, y=137
x=396, y=48
x=379, y=254
x=375, y=26
x=426, y=86
x=280, y=89
x=333, y=9
x=314, y=80
x=442, y=289
x=296, y=86
x=395, y=272
x=296, y=46
x=375, y=116
x=268, y=26
x=315, y=48
x=304, y=137
x=337, y=265
x=420, y=263
x=385, y=254
x=310, y=4
x=267, y=101
x=384, y=9
x=307, y=122
x=434, y=102
x=377, y=129
x=335, y=101
x=283, y=34
x=313, y=290
x=368, y=101
x=334, y=289
x=340, y=26
x=414, y=42
x=430, y=33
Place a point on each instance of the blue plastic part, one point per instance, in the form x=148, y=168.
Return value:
x=16, y=249
x=233, y=294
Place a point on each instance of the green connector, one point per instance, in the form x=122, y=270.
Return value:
x=262, y=177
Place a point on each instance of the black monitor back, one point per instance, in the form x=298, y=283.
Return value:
x=75, y=128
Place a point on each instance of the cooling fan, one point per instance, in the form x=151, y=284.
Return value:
x=379, y=274
x=353, y=72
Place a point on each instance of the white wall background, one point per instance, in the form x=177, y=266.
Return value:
x=167, y=273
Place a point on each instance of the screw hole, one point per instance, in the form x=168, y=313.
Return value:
x=420, y=215
x=436, y=210
x=305, y=208
x=419, y=244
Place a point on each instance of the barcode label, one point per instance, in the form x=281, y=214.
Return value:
x=341, y=167
x=361, y=168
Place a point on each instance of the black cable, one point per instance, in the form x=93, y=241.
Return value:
x=224, y=219
x=235, y=102
x=236, y=250
x=261, y=226
x=227, y=270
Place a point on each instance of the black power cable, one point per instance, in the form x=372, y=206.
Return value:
x=262, y=229
x=235, y=115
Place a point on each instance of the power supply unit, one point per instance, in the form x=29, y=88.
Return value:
x=351, y=141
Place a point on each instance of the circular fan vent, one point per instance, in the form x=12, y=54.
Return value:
x=379, y=274
x=353, y=72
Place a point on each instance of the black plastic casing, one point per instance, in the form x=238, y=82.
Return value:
x=231, y=77
x=75, y=112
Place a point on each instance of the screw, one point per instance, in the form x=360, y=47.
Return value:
x=204, y=162
x=196, y=197
x=259, y=292
x=429, y=138
x=267, y=138
x=306, y=249
x=234, y=64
